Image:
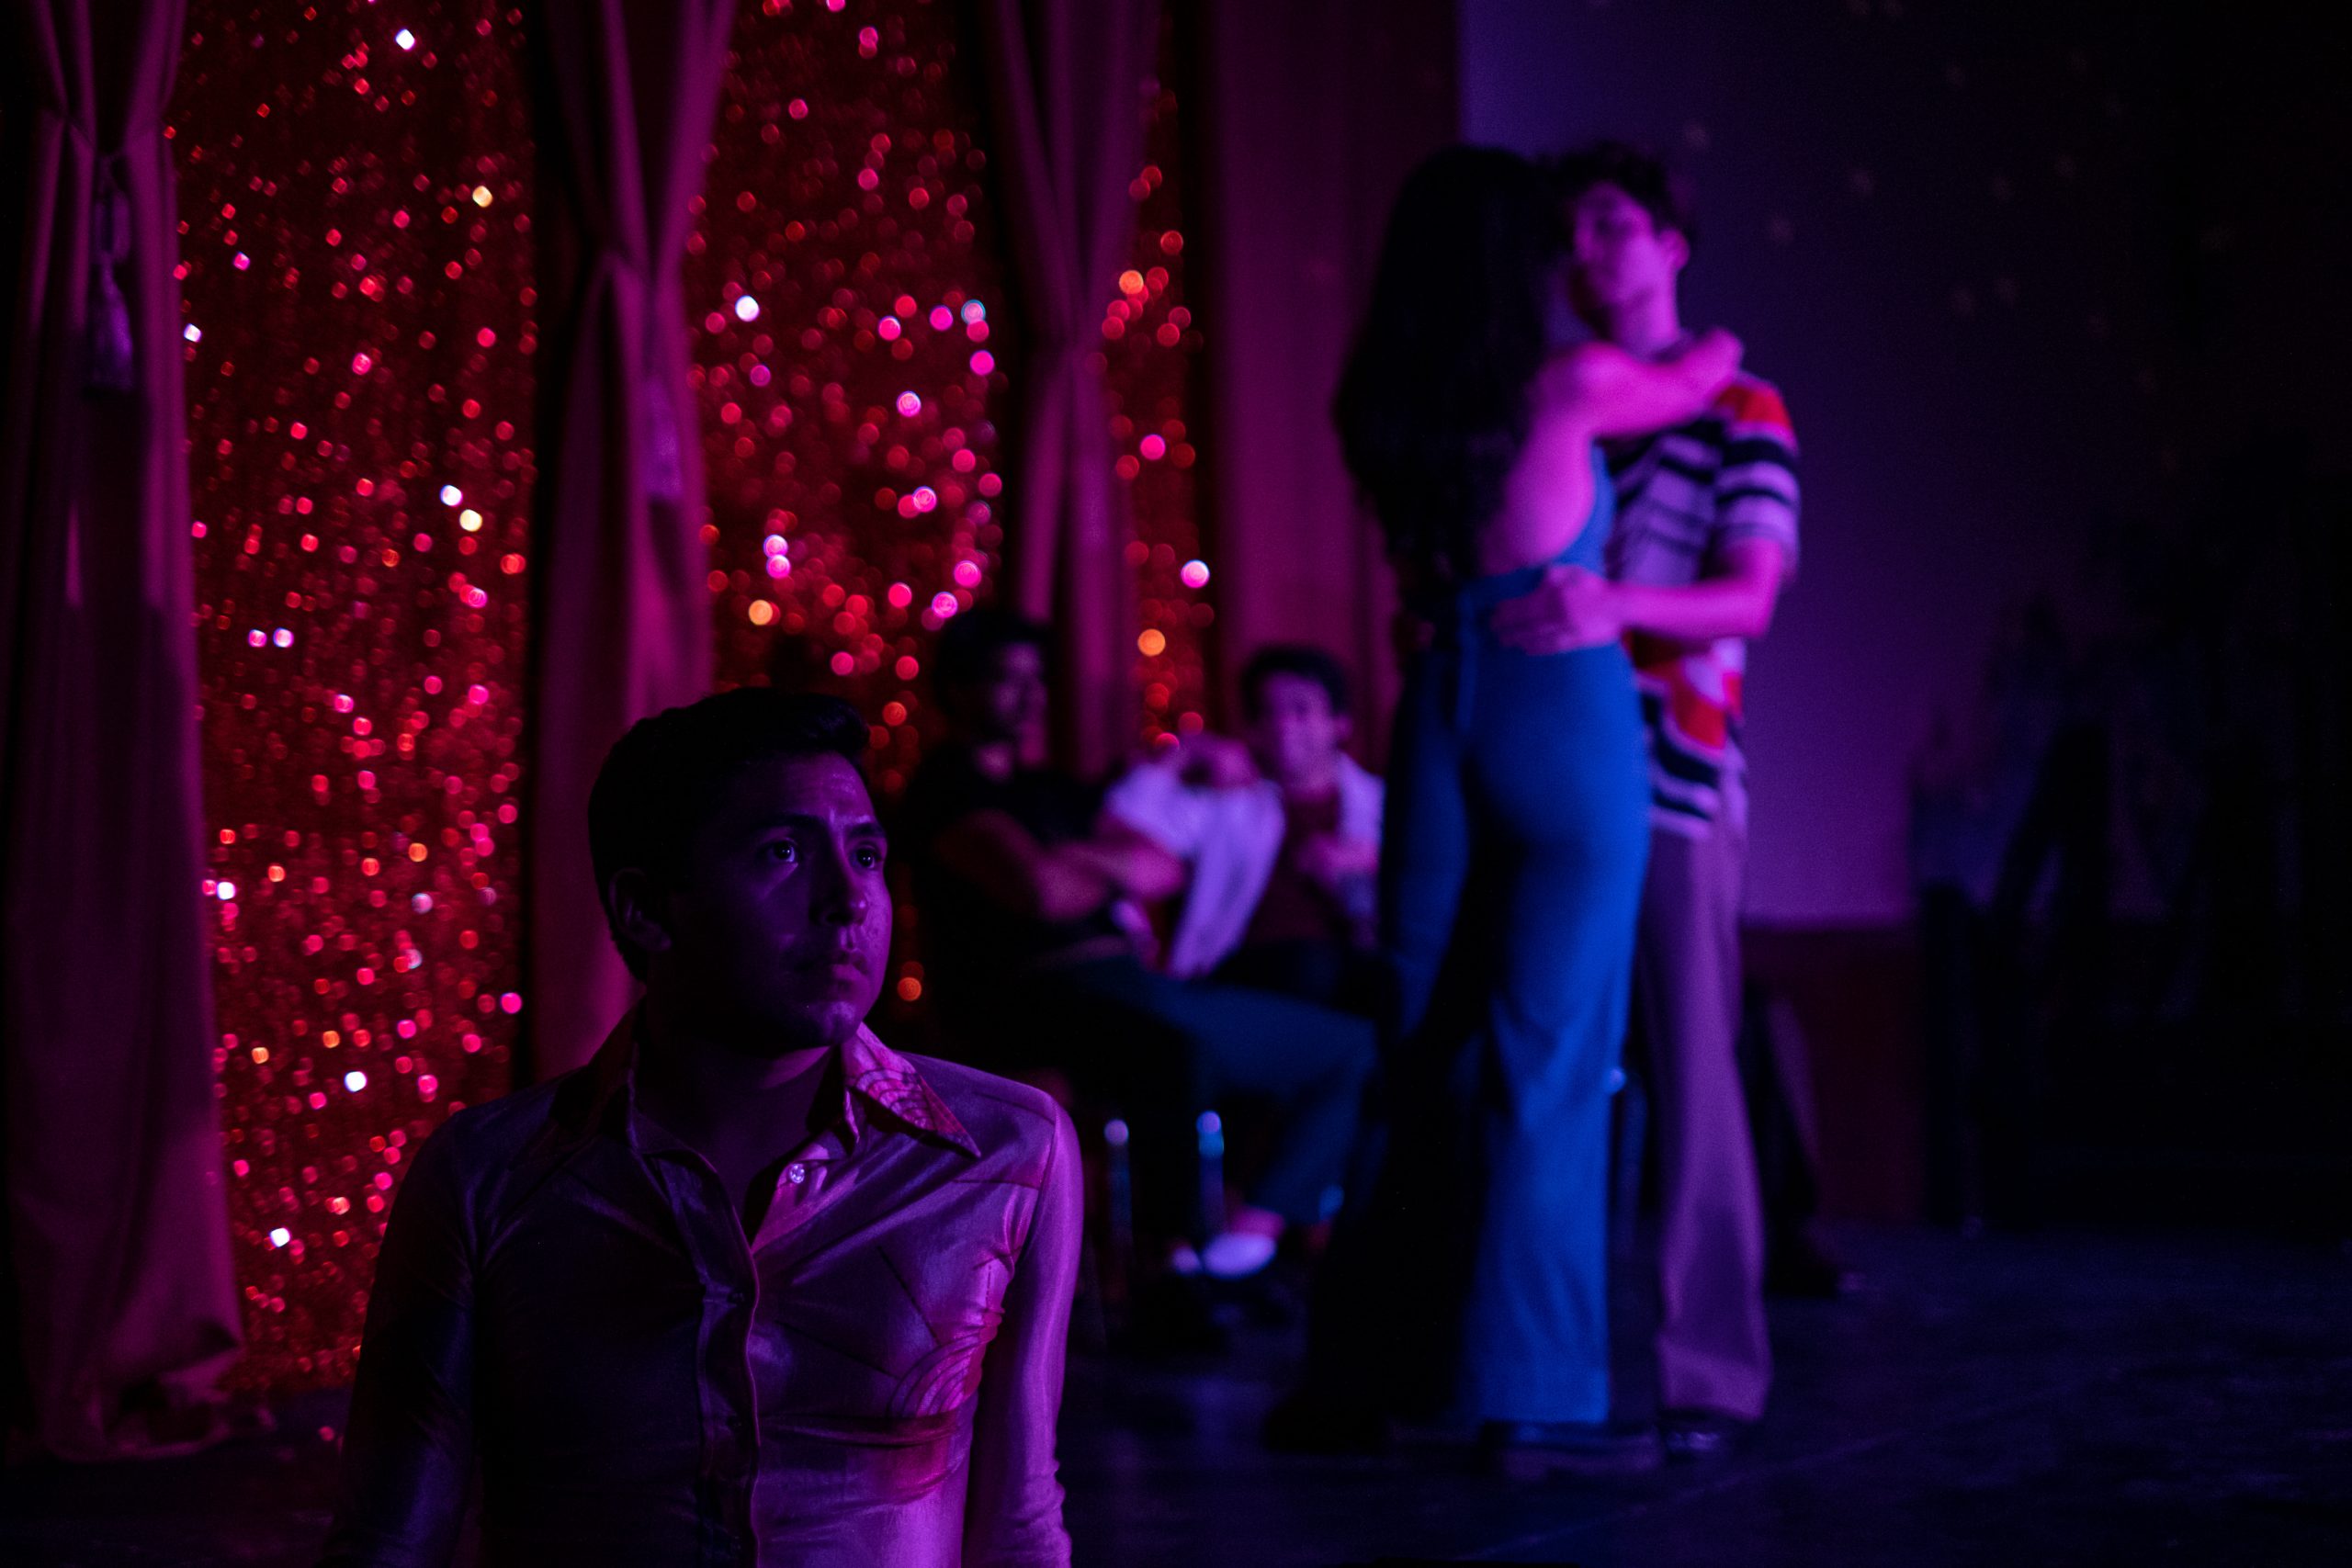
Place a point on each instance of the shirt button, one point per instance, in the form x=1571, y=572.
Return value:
x=796, y=1174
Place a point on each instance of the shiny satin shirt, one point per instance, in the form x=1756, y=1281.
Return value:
x=567, y=1300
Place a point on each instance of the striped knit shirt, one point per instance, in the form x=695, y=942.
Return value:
x=1683, y=495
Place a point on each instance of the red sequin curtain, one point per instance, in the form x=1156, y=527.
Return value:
x=843, y=281
x=355, y=182
x=1151, y=349
x=356, y=187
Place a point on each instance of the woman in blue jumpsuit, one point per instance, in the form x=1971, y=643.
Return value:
x=1526, y=775
x=1517, y=827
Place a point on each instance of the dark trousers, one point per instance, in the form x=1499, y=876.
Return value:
x=1712, y=1353
x=1165, y=1050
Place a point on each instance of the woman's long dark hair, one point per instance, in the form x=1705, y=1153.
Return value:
x=1433, y=406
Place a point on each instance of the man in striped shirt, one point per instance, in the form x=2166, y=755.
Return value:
x=1706, y=536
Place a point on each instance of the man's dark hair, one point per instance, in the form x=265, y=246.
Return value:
x=969, y=645
x=1298, y=659
x=1654, y=187
x=659, y=778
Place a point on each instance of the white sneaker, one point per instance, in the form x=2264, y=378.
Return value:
x=1237, y=1255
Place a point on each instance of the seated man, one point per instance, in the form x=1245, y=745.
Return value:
x=1033, y=947
x=750, y=1286
x=1281, y=839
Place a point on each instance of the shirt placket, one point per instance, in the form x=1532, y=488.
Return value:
x=730, y=1403
x=724, y=1263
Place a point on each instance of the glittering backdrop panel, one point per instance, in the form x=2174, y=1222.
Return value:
x=355, y=189
x=1151, y=352
x=843, y=283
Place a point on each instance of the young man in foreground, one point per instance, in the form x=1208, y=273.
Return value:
x=751, y=1287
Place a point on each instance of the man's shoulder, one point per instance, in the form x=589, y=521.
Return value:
x=1005, y=1118
x=501, y=1126
x=468, y=1152
x=1751, y=406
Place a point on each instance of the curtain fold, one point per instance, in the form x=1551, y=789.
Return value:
x=1064, y=86
x=1310, y=114
x=630, y=91
x=123, y=1294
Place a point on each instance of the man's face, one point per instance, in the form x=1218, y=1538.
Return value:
x=1294, y=734
x=1619, y=255
x=1008, y=703
x=777, y=920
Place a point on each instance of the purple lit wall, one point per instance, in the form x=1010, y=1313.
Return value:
x=2010, y=267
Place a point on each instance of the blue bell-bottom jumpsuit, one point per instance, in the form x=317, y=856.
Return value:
x=1517, y=832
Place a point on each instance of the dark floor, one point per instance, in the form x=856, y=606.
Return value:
x=2060, y=1400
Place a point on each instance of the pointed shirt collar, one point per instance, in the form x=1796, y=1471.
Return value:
x=869, y=1076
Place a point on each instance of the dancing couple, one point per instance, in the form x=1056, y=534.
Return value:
x=1469, y=1278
